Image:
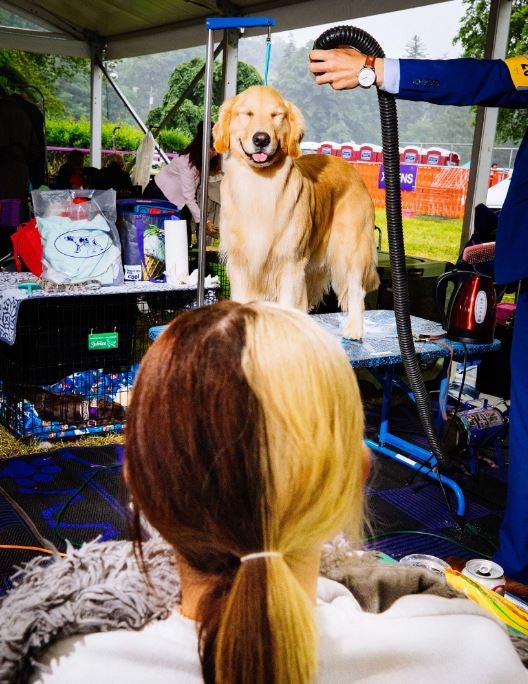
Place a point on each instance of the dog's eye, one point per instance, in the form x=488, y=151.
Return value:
x=248, y=114
x=277, y=115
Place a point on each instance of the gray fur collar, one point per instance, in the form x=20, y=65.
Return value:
x=100, y=587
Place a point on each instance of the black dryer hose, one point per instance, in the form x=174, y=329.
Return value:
x=360, y=40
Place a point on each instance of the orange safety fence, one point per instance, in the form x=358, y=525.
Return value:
x=440, y=190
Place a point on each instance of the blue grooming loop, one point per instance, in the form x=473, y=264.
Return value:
x=213, y=24
x=379, y=352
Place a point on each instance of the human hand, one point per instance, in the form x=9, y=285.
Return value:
x=339, y=67
x=211, y=229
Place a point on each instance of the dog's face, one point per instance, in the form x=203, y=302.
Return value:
x=259, y=126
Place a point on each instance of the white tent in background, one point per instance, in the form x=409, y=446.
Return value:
x=497, y=193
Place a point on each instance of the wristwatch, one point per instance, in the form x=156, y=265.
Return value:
x=367, y=74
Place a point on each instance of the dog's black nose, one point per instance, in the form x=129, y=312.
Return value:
x=261, y=139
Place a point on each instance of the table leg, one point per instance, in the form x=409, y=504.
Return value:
x=415, y=457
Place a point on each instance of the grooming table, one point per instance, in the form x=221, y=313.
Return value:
x=379, y=352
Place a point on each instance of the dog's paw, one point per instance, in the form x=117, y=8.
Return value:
x=352, y=331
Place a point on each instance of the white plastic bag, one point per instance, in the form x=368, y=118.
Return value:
x=79, y=237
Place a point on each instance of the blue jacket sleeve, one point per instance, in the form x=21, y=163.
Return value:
x=511, y=256
x=484, y=82
x=460, y=82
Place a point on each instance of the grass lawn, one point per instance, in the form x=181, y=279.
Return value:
x=426, y=236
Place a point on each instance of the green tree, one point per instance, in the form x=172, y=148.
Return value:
x=191, y=111
x=39, y=75
x=144, y=79
x=328, y=114
x=414, y=48
x=472, y=36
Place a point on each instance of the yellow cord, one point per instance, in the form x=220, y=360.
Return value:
x=502, y=608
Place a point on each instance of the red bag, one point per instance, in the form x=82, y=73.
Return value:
x=27, y=247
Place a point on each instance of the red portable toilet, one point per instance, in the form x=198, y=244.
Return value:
x=435, y=156
x=378, y=153
x=329, y=147
x=367, y=153
x=349, y=151
x=412, y=155
x=453, y=159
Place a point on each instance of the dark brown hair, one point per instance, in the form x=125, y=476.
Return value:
x=194, y=150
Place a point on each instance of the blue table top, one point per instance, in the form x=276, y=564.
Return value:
x=380, y=346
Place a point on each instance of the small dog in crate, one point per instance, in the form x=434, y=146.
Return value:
x=291, y=226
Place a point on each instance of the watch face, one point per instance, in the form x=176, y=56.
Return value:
x=366, y=77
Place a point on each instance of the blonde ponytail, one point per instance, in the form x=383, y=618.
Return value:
x=267, y=631
x=311, y=467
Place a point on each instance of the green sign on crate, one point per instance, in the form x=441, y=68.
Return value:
x=109, y=340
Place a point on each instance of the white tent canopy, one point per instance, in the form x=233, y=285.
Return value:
x=139, y=27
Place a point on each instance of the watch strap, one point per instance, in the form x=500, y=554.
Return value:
x=370, y=61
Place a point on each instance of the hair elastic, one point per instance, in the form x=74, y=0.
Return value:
x=261, y=554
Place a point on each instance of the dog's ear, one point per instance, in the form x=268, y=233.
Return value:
x=296, y=121
x=221, y=128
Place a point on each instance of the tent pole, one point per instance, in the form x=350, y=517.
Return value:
x=173, y=110
x=130, y=109
x=96, y=107
x=213, y=23
x=230, y=63
x=206, y=144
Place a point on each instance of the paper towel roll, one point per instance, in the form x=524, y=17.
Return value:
x=176, y=251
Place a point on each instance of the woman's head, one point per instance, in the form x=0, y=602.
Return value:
x=76, y=159
x=195, y=147
x=245, y=434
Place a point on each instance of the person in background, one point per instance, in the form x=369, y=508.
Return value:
x=20, y=150
x=245, y=451
x=178, y=181
x=492, y=83
x=494, y=174
x=38, y=164
x=89, y=176
x=70, y=174
x=113, y=175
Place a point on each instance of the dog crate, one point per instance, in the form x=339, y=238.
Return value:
x=214, y=267
x=72, y=366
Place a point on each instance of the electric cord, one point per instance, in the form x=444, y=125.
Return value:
x=424, y=533
x=360, y=40
x=441, y=399
x=102, y=469
x=460, y=391
x=32, y=548
x=428, y=463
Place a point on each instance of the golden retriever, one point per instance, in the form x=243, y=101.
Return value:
x=291, y=226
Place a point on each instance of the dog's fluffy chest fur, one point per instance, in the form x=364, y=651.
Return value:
x=261, y=209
